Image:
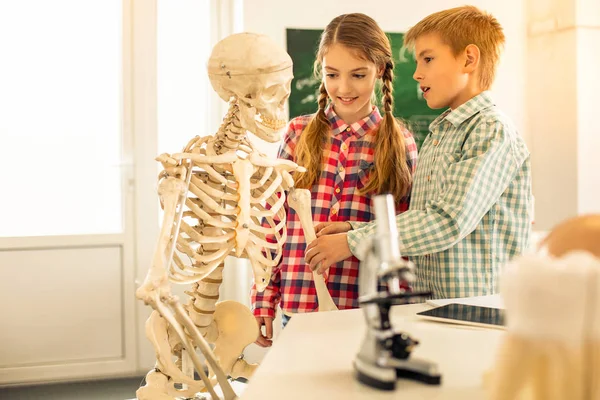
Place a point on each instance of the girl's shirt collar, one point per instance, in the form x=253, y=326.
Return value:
x=360, y=127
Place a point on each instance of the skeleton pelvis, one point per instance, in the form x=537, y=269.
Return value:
x=237, y=329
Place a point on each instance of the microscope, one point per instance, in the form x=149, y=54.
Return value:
x=384, y=355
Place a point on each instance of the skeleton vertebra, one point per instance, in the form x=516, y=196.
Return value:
x=214, y=195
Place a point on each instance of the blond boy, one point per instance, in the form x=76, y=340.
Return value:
x=471, y=195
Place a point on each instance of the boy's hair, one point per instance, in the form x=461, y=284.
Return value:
x=461, y=26
x=390, y=174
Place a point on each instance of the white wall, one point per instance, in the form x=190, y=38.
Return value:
x=552, y=114
x=589, y=132
x=588, y=86
x=563, y=62
x=272, y=17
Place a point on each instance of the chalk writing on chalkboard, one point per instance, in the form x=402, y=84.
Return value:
x=409, y=104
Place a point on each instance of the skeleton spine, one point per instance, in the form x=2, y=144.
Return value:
x=202, y=304
x=230, y=133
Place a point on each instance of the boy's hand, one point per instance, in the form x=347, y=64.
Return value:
x=327, y=250
x=329, y=228
x=265, y=340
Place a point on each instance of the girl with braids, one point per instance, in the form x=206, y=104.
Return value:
x=351, y=152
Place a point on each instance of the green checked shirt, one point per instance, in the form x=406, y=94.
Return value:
x=470, y=210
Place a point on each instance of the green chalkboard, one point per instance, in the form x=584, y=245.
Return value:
x=409, y=104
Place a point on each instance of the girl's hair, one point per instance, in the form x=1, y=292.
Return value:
x=390, y=174
x=458, y=27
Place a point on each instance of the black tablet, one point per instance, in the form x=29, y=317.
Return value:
x=463, y=314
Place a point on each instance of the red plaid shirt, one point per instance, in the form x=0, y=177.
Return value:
x=335, y=197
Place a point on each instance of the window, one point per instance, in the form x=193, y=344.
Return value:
x=60, y=130
x=183, y=87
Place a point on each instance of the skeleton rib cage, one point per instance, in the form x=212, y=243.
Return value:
x=223, y=215
x=212, y=215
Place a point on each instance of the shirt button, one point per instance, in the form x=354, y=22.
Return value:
x=334, y=211
x=436, y=142
x=344, y=147
x=341, y=169
x=337, y=190
x=348, y=129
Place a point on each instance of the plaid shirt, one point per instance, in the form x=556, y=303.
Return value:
x=470, y=208
x=335, y=197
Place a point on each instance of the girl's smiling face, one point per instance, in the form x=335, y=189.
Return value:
x=350, y=82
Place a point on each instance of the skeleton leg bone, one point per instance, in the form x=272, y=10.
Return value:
x=164, y=352
x=155, y=388
x=299, y=200
x=161, y=382
x=204, y=347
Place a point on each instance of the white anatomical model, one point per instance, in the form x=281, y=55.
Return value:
x=216, y=194
x=551, y=350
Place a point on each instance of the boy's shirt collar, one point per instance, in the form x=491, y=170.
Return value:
x=360, y=127
x=465, y=111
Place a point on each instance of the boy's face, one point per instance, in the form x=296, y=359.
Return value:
x=442, y=76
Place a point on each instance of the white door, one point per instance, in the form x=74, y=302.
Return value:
x=67, y=305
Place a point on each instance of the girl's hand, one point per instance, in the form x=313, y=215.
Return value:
x=329, y=228
x=266, y=339
x=327, y=250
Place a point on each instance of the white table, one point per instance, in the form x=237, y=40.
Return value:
x=312, y=358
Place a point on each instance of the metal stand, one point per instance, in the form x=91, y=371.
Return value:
x=385, y=354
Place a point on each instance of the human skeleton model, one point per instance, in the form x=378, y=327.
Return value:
x=214, y=195
x=552, y=347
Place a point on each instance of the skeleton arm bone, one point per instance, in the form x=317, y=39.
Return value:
x=170, y=189
x=200, y=342
x=299, y=200
x=226, y=158
x=280, y=163
x=164, y=339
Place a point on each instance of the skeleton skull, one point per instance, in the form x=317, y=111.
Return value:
x=256, y=72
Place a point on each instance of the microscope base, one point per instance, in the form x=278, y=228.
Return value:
x=385, y=377
x=382, y=378
x=419, y=370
